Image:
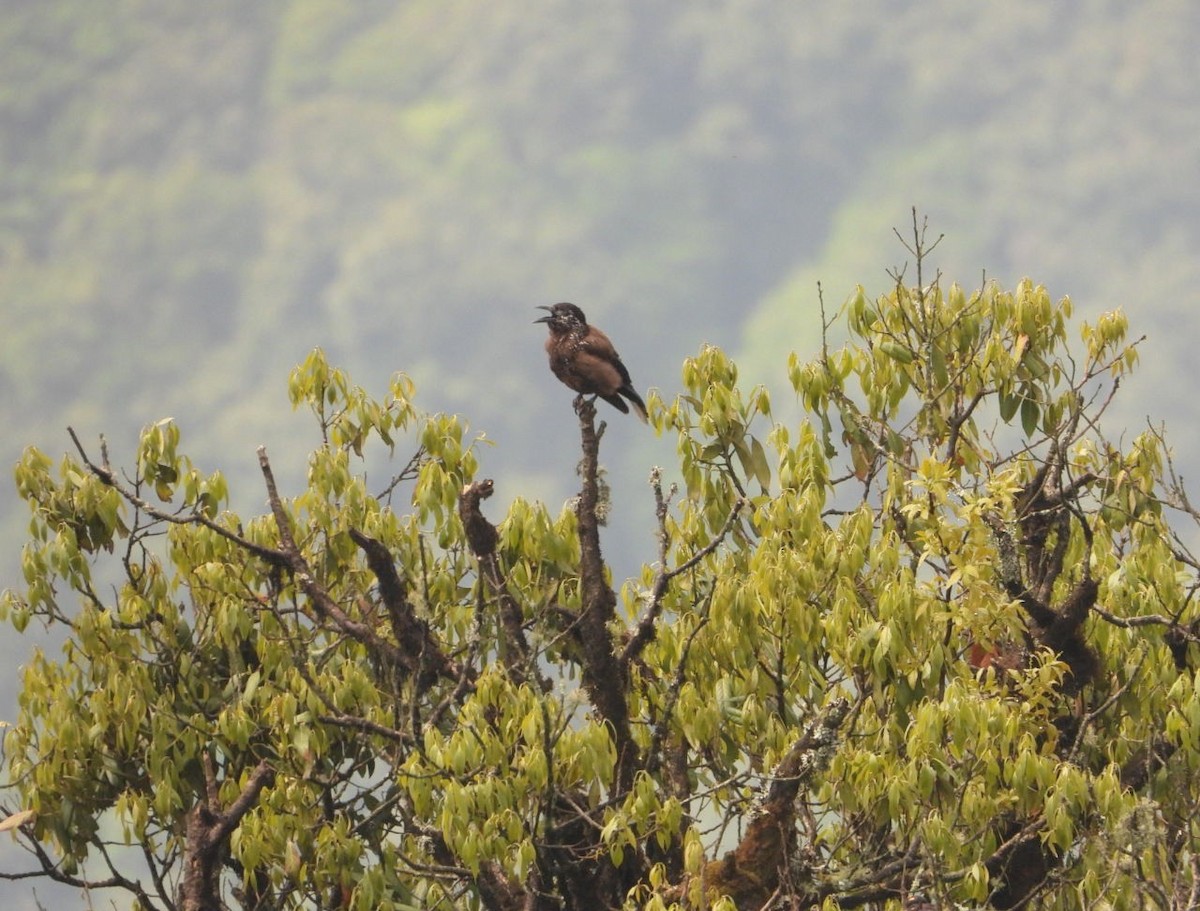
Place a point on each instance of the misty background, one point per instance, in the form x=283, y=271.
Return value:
x=193, y=196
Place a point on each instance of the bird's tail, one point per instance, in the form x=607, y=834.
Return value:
x=639, y=407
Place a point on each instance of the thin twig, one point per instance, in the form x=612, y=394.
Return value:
x=107, y=477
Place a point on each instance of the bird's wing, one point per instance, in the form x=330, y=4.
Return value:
x=602, y=374
x=597, y=344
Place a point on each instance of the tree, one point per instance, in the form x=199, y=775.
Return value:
x=934, y=644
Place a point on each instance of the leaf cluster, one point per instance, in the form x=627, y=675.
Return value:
x=936, y=641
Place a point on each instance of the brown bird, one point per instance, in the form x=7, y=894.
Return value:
x=586, y=361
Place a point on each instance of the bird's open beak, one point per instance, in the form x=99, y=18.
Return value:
x=544, y=319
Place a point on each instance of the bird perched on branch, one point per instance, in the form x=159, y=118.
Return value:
x=586, y=361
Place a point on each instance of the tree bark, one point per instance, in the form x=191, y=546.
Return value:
x=207, y=835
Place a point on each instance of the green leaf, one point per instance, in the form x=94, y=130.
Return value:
x=1030, y=412
x=1009, y=403
x=897, y=352
x=251, y=688
x=758, y=461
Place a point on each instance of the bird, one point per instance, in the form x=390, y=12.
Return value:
x=586, y=361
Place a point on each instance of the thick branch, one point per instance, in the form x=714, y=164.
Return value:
x=206, y=835
x=482, y=538
x=750, y=873
x=228, y=820
x=1058, y=629
x=605, y=678
x=417, y=650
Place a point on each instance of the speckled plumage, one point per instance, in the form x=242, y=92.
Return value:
x=584, y=359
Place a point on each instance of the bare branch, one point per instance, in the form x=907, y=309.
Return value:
x=604, y=676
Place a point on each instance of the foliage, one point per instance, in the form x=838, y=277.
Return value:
x=934, y=644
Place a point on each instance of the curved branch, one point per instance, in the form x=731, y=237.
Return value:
x=417, y=650
x=109, y=479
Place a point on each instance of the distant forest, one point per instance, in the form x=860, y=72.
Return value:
x=193, y=196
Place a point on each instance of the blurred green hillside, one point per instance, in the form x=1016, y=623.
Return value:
x=194, y=195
